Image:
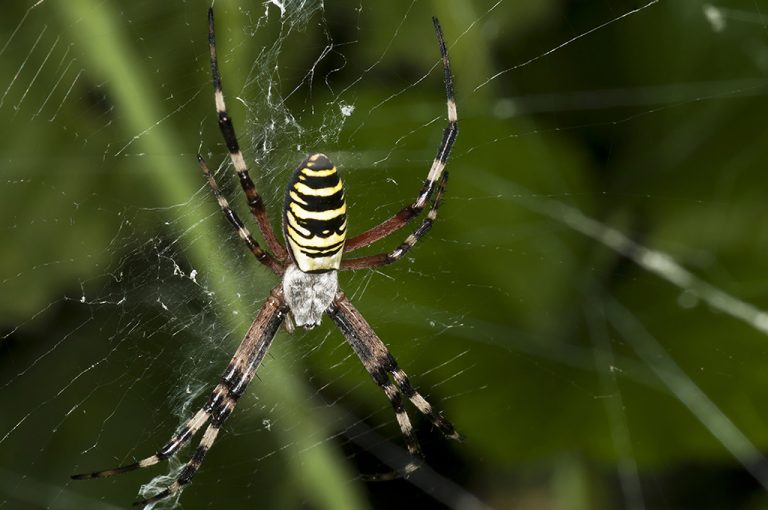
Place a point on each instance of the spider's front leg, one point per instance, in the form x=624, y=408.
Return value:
x=378, y=361
x=220, y=403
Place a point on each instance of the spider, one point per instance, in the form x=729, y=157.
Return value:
x=314, y=226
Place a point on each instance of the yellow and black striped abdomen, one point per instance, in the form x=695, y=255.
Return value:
x=315, y=215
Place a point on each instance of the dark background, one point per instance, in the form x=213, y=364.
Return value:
x=587, y=309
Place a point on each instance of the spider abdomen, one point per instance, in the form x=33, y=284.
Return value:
x=315, y=216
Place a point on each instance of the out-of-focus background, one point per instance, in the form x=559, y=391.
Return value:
x=588, y=309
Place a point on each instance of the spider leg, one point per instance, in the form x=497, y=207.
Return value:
x=407, y=213
x=382, y=259
x=221, y=403
x=372, y=353
x=404, y=385
x=378, y=361
x=179, y=439
x=262, y=256
x=255, y=203
x=190, y=468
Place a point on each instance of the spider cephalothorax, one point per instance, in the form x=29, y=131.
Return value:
x=314, y=227
x=308, y=295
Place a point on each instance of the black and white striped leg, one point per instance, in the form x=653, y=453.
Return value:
x=403, y=420
x=262, y=256
x=378, y=361
x=179, y=439
x=255, y=202
x=407, y=213
x=191, y=467
x=407, y=389
x=221, y=402
x=383, y=259
x=238, y=375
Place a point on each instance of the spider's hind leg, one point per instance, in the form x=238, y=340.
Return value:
x=434, y=178
x=255, y=202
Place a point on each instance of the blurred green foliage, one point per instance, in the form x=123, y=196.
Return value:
x=581, y=379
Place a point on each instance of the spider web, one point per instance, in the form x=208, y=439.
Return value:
x=589, y=309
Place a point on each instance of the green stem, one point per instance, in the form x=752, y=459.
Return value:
x=108, y=56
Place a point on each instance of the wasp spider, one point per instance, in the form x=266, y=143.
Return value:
x=315, y=227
